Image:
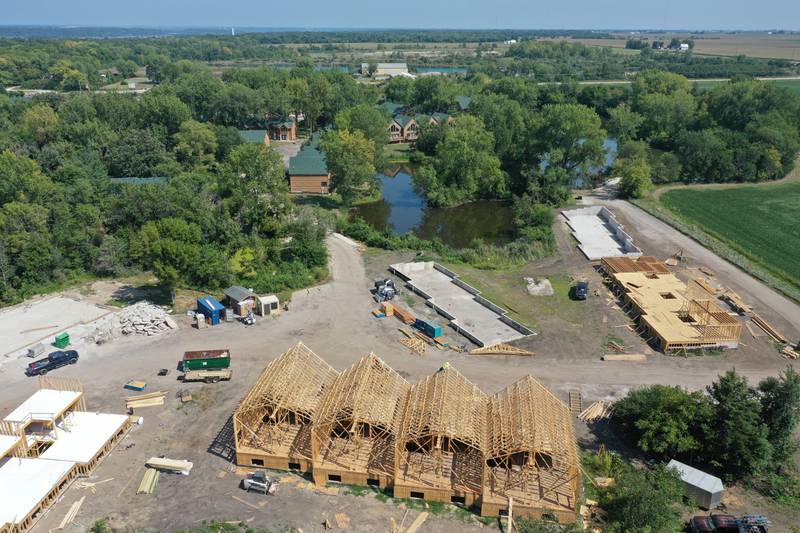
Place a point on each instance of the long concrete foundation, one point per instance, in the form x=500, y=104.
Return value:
x=599, y=234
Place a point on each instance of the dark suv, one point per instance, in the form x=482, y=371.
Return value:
x=51, y=362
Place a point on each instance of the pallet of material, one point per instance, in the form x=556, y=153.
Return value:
x=772, y=332
x=149, y=481
x=424, y=338
x=170, y=465
x=500, y=349
x=415, y=344
x=378, y=313
x=789, y=353
x=135, y=385
x=406, y=316
x=735, y=301
x=596, y=411
x=624, y=357
x=151, y=399
x=387, y=308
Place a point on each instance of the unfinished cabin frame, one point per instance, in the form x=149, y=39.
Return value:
x=531, y=456
x=272, y=425
x=355, y=428
x=671, y=314
x=440, y=452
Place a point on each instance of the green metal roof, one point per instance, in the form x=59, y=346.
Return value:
x=128, y=180
x=392, y=107
x=463, y=102
x=440, y=118
x=309, y=162
x=403, y=120
x=253, y=136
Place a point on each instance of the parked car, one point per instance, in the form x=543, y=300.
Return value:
x=51, y=362
x=580, y=291
x=716, y=523
x=259, y=481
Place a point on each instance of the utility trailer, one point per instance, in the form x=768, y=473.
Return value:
x=209, y=376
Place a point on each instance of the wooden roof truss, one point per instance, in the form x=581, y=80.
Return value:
x=443, y=434
x=356, y=424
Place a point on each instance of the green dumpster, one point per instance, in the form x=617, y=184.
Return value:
x=62, y=340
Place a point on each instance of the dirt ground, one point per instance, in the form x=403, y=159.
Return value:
x=334, y=320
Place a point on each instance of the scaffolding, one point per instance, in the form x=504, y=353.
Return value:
x=442, y=440
x=272, y=424
x=532, y=454
x=356, y=425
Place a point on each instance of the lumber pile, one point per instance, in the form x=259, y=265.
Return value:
x=624, y=357
x=415, y=344
x=597, y=411
x=615, y=346
x=170, y=465
x=149, y=481
x=789, y=353
x=772, y=332
x=705, y=285
x=407, y=317
x=500, y=349
x=387, y=308
x=735, y=301
x=71, y=514
x=151, y=399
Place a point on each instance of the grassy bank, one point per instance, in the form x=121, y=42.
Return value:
x=752, y=226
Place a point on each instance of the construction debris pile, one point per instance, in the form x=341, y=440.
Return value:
x=542, y=287
x=142, y=318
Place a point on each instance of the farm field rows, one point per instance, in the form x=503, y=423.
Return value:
x=759, y=222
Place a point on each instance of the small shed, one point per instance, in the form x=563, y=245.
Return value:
x=267, y=305
x=239, y=299
x=210, y=308
x=706, y=490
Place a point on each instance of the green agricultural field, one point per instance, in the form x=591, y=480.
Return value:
x=761, y=222
x=793, y=84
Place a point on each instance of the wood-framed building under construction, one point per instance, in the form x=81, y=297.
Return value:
x=532, y=454
x=355, y=428
x=673, y=314
x=441, y=439
x=272, y=425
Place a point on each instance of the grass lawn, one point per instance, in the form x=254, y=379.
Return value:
x=707, y=85
x=759, y=222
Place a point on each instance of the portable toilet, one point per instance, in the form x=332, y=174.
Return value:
x=62, y=340
x=210, y=308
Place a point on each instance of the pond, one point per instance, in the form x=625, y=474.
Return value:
x=402, y=210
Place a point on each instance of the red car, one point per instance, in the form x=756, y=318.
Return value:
x=718, y=523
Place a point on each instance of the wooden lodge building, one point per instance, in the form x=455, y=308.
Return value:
x=441, y=439
x=308, y=170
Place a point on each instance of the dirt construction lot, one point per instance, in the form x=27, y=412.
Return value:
x=334, y=320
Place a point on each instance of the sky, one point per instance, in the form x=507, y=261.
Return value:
x=467, y=14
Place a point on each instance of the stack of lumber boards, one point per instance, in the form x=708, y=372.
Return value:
x=500, y=349
x=149, y=481
x=789, y=353
x=624, y=357
x=150, y=399
x=170, y=465
x=387, y=308
x=597, y=411
x=772, y=332
x=71, y=514
x=615, y=346
x=735, y=301
x=415, y=344
x=407, y=317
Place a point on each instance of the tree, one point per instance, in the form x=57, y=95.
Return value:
x=39, y=123
x=195, y=144
x=136, y=153
x=705, y=156
x=465, y=167
x=126, y=68
x=645, y=501
x=780, y=411
x=21, y=179
x=665, y=421
x=740, y=447
x=635, y=173
x=201, y=91
x=505, y=118
x=170, y=247
x=665, y=114
x=624, y=123
x=159, y=108
x=370, y=121
x=350, y=158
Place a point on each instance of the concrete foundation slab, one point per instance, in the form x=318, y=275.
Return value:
x=599, y=234
x=472, y=315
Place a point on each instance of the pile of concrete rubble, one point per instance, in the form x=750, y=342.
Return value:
x=142, y=318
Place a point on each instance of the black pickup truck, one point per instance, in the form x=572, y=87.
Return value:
x=51, y=362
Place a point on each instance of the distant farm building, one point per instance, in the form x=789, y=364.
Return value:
x=391, y=69
x=441, y=439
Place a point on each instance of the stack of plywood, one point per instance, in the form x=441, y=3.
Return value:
x=150, y=399
x=149, y=481
x=406, y=316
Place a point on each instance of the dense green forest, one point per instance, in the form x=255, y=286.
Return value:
x=224, y=214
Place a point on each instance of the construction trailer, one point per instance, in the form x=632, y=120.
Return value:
x=239, y=299
x=355, y=427
x=672, y=314
x=46, y=442
x=442, y=439
x=272, y=425
x=532, y=454
x=706, y=490
x=267, y=305
x=440, y=451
